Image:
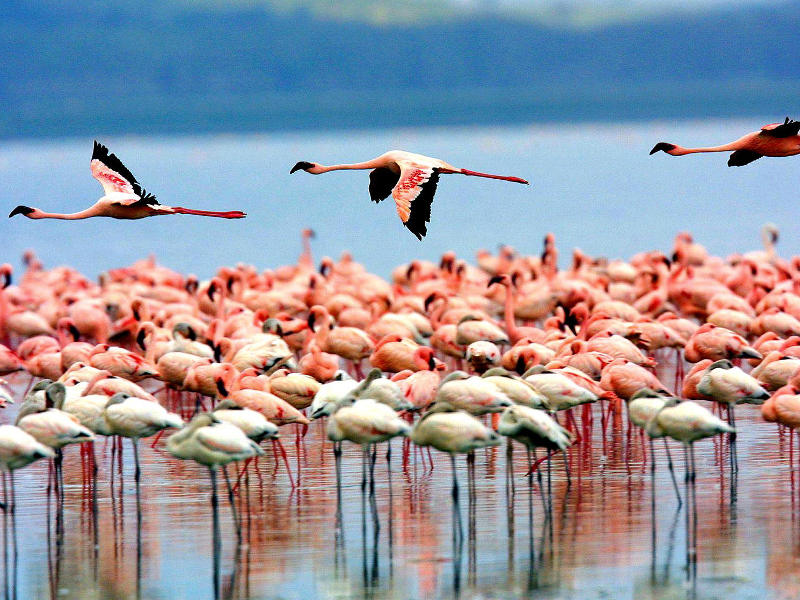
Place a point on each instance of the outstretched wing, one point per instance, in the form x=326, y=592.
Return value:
x=413, y=195
x=381, y=182
x=780, y=130
x=743, y=157
x=116, y=178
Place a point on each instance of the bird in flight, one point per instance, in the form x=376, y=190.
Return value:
x=410, y=179
x=124, y=197
x=775, y=139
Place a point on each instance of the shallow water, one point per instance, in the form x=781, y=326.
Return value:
x=601, y=543
x=593, y=185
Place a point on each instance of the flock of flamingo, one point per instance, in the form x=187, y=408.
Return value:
x=461, y=357
x=259, y=351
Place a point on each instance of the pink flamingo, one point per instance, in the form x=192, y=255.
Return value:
x=411, y=180
x=775, y=139
x=124, y=197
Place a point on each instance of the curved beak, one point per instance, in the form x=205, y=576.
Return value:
x=302, y=165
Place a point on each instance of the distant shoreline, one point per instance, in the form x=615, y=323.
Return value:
x=568, y=103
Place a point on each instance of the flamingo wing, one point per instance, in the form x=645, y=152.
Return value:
x=413, y=195
x=780, y=130
x=743, y=157
x=381, y=182
x=116, y=179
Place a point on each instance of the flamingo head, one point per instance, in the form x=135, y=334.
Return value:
x=306, y=166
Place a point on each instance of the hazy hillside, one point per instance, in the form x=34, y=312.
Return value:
x=175, y=66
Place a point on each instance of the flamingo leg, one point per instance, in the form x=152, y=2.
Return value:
x=672, y=473
x=236, y=521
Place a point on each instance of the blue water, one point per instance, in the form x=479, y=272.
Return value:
x=593, y=185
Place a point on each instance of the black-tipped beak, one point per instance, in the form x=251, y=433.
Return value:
x=140, y=339
x=495, y=279
x=221, y=389
x=302, y=165
x=6, y=280
x=432, y=363
x=748, y=352
x=429, y=300
x=20, y=210
x=211, y=289
x=310, y=322
x=662, y=146
x=73, y=331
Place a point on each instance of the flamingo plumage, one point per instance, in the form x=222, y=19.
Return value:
x=410, y=179
x=124, y=197
x=775, y=139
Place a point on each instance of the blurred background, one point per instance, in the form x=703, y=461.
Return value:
x=210, y=102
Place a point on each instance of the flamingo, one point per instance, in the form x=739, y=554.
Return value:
x=455, y=432
x=17, y=449
x=687, y=422
x=211, y=442
x=365, y=422
x=124, y=197
x=410, y=179
x=730, y=385
x=533, y=429
x=134, y=418
x=775, y=139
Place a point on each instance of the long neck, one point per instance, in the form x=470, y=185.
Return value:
x=370, y=164
x=680, y=151
x=511, y=324
x=92, y=211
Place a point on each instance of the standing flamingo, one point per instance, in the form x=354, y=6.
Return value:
x=775, y=139
x=213, y=443
x=411, y=180
x=124, y=197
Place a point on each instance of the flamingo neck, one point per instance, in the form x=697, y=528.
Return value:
x=511, y=324
x=370, y=164
x=680, y=151
x=84, y=214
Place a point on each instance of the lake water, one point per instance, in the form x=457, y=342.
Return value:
x=593, y=185
x=600, y=543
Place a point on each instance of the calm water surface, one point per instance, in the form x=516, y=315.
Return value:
x=596, y=188
x=601, y=543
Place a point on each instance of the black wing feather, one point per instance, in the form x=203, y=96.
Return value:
x=788, y=129
x=743, y=157
x=381, y=182
x=101, y=153
x=421, y=207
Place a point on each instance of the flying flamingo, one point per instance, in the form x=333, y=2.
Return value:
x=124, y=197
x=411, y=180
x=775, y=139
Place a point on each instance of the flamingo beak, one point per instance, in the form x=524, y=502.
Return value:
x=302, y=165
x=21, y=210
x=663, y=146
x=495, y=279
x=6, y=280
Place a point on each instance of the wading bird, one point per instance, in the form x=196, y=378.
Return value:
x=409, y=178
x=124, y=197
x=775, y=139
